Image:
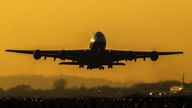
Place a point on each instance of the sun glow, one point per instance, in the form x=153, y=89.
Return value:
x=92, y=40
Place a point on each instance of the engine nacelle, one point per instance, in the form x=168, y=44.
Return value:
x=37, y=54
x=62, y=55
x=131, y=56
x=154, y=56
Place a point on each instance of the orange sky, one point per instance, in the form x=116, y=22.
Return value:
x=163, y=25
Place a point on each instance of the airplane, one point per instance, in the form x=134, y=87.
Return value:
x=96, y=56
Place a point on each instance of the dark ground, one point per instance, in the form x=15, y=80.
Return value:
x=99, y=102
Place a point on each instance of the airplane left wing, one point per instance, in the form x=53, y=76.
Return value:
x=22, y=51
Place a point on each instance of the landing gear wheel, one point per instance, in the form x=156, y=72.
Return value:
x=81, y=66
x=101, y=68
x=110, y=66
x=89, y=68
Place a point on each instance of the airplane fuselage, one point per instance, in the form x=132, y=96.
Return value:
x=97, y=51
x=98, y=42
x=97, y=55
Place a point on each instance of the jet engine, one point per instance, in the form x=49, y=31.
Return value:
x=37, y=54
x=131, y=55
x=154, y=55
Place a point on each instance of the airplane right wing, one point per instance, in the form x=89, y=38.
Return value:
x=74, y=55
x=133, y=55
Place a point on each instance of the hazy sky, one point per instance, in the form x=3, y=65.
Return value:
x=163, y=25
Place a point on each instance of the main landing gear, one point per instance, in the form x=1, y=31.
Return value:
x=81, y=66
x=89, y=68
x=110, y=66
x=101, y=68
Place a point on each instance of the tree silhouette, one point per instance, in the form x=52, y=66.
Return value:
x=60, y=84
x=20, y=90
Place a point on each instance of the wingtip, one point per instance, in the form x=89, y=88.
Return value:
x=7, y=50
x=181, y=52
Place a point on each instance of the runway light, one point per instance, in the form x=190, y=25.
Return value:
x=160, y=94
x=180, y=88
x=151, y=93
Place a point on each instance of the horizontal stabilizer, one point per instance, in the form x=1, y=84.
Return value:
x=77, y=63
x=69, y=63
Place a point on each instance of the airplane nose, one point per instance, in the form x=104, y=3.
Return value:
x=99, y=34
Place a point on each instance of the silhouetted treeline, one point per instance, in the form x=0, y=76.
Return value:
x=60, y=89
x=42, y=82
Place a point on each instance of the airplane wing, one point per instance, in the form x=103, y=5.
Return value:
x=133, y=55
x=81, y=55
x=63, y=54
